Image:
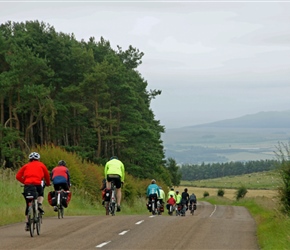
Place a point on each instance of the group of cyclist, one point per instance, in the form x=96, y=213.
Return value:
x=173, y=198
x=35, y=174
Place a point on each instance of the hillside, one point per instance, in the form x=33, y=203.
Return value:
x=250, y=137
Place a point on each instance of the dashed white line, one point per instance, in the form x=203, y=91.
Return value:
x=139, y=222
x=103, y=244
x=122, y=233
x=213, y=211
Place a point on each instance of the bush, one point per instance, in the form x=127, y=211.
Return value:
x=241, y=192
x=205, y=194
x=283, y=156
x=220, y=192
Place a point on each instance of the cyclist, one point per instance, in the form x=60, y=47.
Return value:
x=153, y=191
x=192, y=200
x=33, y=173
x=115, y=170
x=185, y=198
x=60, y=177
x=178, y=197
x=161, y=197
x=171, y=192
x=170, y=201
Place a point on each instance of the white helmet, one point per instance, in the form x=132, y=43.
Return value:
x=34, y=156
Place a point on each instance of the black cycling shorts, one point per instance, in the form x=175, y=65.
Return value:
x=116, y=178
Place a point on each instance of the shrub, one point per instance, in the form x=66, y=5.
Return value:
x=241, y=192
x=205, y=194
x=220, y=192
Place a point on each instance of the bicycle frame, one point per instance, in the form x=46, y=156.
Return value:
x=34, y=216
x=111, y=205
x=60, y=207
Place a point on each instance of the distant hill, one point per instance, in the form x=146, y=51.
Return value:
x=271, y=119
x=250, y=137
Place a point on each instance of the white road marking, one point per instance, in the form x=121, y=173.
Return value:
x=122, y=233
x=213, y=211
x=103, y=244
x=151, y=216
x=139, y=222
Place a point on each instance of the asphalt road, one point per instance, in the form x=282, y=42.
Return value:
x=211, y=227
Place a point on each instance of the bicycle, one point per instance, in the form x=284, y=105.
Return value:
x=60, y=208
x=34, y=216
x=110, y=205
x=192, y=207
x=159, y=205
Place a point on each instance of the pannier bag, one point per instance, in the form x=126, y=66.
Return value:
x=107, y=194
x=65, y=198
x=30, y=190
x=52, y=198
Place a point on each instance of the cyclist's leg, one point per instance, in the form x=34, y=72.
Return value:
x=119, y=191
x=39, y=190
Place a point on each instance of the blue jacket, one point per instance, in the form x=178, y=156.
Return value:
x=153, y=189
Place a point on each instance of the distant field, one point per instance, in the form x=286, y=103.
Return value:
x=229, y=193
x=261, y=180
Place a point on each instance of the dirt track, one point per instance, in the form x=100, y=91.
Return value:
x=211, y=227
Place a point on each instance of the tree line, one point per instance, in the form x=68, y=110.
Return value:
x=83, y=96
x=203, y=171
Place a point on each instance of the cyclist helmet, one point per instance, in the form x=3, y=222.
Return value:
x=61, y=163
x=114, y=157
x=177, y=191
x=185, y=190
x=34, y=156
x=153, y=181
x=172, y=188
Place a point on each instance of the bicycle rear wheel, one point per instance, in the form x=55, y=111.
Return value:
x=107, y=207
x=113, y=209
x=60, y=211
x=31, y=225
x=38, y=222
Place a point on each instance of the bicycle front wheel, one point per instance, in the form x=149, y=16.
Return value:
x=113, y=209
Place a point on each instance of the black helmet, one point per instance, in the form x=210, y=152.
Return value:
x=61, y=163
x=114, y=157
x=34, y=156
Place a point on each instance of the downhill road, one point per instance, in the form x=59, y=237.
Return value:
x=211, y=227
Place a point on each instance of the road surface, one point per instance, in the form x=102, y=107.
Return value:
x=211, y=227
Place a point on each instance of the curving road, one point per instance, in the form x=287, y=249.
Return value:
x=211, y=227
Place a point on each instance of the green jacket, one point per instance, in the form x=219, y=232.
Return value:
x=162, y=195
x=178, y=198
x=173, y=193
x=115, y=167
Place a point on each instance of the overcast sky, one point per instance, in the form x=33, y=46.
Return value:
x=213, y=60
